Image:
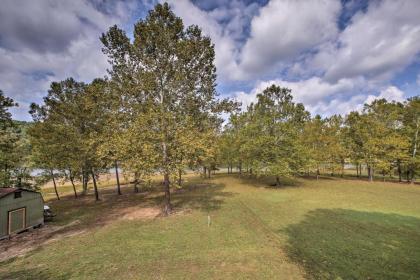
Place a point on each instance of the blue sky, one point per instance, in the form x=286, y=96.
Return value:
x=334, y=55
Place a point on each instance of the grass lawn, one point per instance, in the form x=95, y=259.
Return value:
x=326, y=229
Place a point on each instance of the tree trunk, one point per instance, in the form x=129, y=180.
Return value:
x=205, y=172
x=95, y=187
x=370, y=173
x=399, y=171
x=179, y=177
x=240, y=168
x=72, y=183
x=412, y=176
x=136, y=182
x=277, y=181
x=55, y=185
x=85, y=178
x=317, y=173
x=118, y=178
x=209, y=172
x=414, y=150
x=168, y=207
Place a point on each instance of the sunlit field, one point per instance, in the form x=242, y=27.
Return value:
x=232, y=227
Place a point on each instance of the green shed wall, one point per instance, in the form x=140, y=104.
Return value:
x=34, y=209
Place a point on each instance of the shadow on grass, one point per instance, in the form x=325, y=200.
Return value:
x=320, y=178
x=348, y=244
x=203, y=197
x=354, y=177
x=194, y=196
x=269, y=182
x=32, y=273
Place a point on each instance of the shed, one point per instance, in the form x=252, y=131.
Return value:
x=20, y=209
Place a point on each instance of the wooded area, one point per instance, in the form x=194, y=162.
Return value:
x=157, y=112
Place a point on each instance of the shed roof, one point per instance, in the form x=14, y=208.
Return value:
x=6, y=191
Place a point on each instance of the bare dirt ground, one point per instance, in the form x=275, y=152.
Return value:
x=24, y=242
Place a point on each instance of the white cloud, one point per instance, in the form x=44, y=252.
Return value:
x=284, y=29
x=309, y=91
x=323, y=98
x=224, y=36
x=279, y=32
x=337, y=71
x=390, y=93
x=49, y=41
x=376, y=44
x=301, y=39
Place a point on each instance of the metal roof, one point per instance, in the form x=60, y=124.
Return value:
x=6, y=191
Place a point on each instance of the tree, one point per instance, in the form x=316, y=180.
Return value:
x=334, y=137
x=411, y=120
x=314, y=141
x=394, y=144
x=271, y=129
x=67, y=129
x=14, y=148
x=166, y=80
x=365, y=132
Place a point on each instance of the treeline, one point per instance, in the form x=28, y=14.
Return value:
x=278, y=137
x=157, y=112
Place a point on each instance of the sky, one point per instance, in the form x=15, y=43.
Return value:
x=334, y=55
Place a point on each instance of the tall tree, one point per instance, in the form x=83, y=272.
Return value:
x=67, y=129
x=273, y=127
x=166, y=80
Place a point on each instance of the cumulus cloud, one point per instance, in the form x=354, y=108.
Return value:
x=303, y=38
x=284, y=29
x=334, y=56
x=323, y=98
x=226, y=36
x=44, y=41
x=250, y=40
x=376, y=44
x=309, y=91
x=45, y=26
x=390, y=93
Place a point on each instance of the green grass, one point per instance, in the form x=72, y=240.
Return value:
x=67, y=189
x=348, y=244
x=326, y=229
